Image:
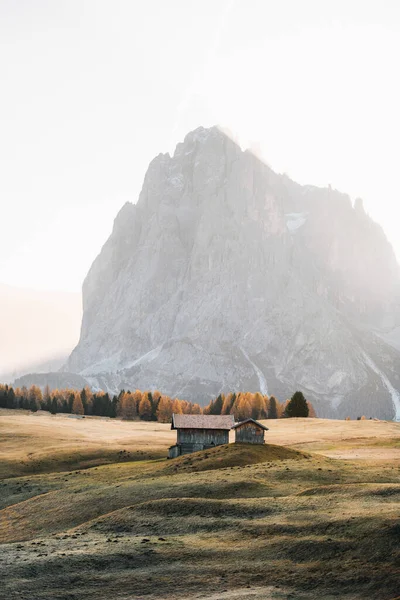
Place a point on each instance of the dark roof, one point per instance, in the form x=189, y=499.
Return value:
x=202, y=421
x=236, y=425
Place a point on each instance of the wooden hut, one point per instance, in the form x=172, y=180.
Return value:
x=249, y=432
x=199, y=432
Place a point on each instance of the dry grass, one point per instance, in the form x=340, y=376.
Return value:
x=233, y=522
x=39, y=442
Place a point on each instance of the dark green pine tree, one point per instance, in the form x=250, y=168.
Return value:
x=273, y=409
x=11, y=402
x=216, y=407
x=70, y=402
x=153, y=405
x=107, y=406
x=97, y=406
x=54, y=406
x=26, y=403
x=84, y=401
x=114, y=404
x=3, y=397
x=46, y=404
x=297, y=406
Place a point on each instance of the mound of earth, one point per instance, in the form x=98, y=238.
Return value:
x=356, y=490
x=172, y=516
x=233, y=455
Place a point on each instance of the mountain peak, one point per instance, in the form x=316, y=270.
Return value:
x=201, y=134
x=226, y=276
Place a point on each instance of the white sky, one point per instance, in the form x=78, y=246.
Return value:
x=92, y=90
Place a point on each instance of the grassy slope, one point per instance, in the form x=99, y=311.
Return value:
x=39, y=442
x=231, y=517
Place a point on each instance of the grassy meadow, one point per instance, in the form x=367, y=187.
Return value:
x=91, y=509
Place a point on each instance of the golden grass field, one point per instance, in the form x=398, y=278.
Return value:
x=90, y=509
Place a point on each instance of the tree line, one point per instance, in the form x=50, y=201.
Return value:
x=150, y=406
x=248, y=405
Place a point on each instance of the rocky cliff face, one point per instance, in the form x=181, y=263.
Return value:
x=226, y=276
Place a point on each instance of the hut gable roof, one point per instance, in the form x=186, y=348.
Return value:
x=236, y=425
x=202, y=421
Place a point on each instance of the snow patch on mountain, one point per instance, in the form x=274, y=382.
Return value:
x=295, y=220
x=394, y=394
x=261, y=377
x=147, y=357
x=106, y=365
x=336, y=379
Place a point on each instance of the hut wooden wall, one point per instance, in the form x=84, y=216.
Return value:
x=207, y=437
x=249, y=433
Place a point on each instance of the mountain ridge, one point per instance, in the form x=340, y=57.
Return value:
x=227, y=276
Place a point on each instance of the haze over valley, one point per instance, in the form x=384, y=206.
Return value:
x=41, y=328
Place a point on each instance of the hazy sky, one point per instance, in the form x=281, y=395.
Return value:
x=92, y=90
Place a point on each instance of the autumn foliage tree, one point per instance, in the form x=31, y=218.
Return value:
x=35, y=397
x=145, y=410
x=164, y=409
x=258, y=407
x=127, y=408
x=77, y=405
x=311, y=410
x=176, y=407
x=145, y=405
x=229, y=401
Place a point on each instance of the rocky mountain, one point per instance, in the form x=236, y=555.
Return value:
x=227, y=276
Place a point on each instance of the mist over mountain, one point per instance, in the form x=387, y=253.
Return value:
x=40, y=327
x=226, y=276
